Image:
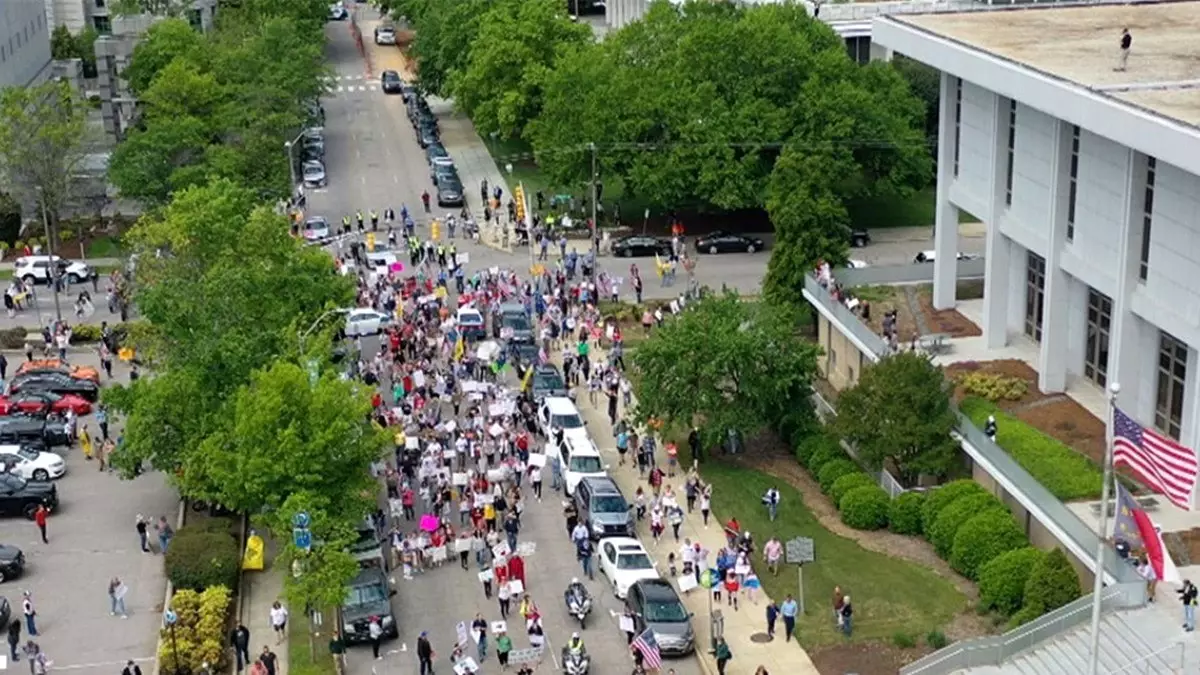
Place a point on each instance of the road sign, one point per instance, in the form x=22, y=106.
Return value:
x=301, y=520
x=169, y=617
x=800, y=551
x=302, y=538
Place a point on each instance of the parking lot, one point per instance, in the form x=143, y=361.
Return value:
x=92, y=539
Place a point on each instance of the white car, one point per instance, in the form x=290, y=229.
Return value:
x=31, y=464
x=579, y=459
x=624, y=561
x=931, y=255
x=559, y=412
x=381, y=260
x=385, y=35
x=856, y=264
x=36, y=269
x=366, y=322
x=316, y=229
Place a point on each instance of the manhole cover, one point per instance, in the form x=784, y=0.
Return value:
x=761, y=637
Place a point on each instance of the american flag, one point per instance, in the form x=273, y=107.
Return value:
x=1161, y=463
x=648, y=646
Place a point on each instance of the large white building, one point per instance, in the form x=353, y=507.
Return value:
x=1089, y=180
x=24, y=42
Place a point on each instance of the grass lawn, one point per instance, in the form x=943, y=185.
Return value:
x=890, y=596
x=299, y=654
x=917, y=211
x=104, y=247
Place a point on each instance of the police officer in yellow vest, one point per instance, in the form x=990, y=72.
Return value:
x=453, y=253
x=374, y=221
x=414, y=251
x=345, y=224
x=441, y=255
x=358, y=215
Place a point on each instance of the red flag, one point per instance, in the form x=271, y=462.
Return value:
x=1133, y=524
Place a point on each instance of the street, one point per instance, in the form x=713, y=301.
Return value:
x=92, y=539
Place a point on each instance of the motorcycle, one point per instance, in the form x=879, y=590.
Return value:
x=579, y=605
x=575, y=662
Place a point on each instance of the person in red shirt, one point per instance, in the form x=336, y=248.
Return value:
x=39, y=517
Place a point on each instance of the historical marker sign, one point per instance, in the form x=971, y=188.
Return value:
x=800, y=551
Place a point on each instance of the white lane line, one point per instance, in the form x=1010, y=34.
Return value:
x=340, y=89
x=395, y=179
x=364, y=180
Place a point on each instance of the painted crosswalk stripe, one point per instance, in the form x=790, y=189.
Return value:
x=340, y=88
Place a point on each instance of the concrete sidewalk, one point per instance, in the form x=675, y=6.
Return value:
x=777, y=656
x=259, y=591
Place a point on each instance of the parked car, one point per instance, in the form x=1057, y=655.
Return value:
x=450, y=193
x=35, y=269
x=364, y=321
x=522, y=355
x=368, y=595
x=385, y=35
x=57, y=383
x=407, y=91
x=58, y=366
x=31, y=464
x=624, y=561
x=391, y=82
x=338, y=12
x=12, y=565
x=547, y=381
x=654, y=604
x=603, y=509
x=43, y=403
x=368, y=548
x=38, y=433
x=514, y=323
x=931, y=255
x=444, y=172
x=21, y=497
x=557, y=412
x=427, y=134
x=579, y=458
x=313, y=173
x=638, y=246
x=316, y=229
x=728, y=242
x=859, y=238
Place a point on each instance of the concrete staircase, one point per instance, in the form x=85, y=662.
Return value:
x=1144, y=641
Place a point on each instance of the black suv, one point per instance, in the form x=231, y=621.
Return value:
x=391, y=82
x=368, y=595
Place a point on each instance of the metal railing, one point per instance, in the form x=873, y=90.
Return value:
x=916, y=273
x=992, y=651
x=839, y=313
x=1170, y=657
x=883, y=477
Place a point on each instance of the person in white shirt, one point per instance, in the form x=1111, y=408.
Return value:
x=279, y=617
x=535, y=477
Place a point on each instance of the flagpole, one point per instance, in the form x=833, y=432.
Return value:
x=1098, y=588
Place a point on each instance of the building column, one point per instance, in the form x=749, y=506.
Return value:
x=945, y=224
x=1052, y=374
x=996, y=280
x=1127, y=344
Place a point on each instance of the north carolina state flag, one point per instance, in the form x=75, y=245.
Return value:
x=1134, y=526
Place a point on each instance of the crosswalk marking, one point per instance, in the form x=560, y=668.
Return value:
x=343, y=78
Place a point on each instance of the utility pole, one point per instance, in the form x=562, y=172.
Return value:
x=595, y=222
x=53, y=266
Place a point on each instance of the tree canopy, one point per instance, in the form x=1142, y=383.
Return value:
x=445, y=31
x=724, y=364
x=899, y=412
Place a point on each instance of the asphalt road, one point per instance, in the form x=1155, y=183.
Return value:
x=92, y=539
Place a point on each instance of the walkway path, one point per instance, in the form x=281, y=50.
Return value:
x=259, y=591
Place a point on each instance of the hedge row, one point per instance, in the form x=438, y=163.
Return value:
x=862, y=503
x=1067, y=474
x=204, y=556
x=198, y=641
x=14, y=338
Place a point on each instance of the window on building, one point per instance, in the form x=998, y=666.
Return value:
x=957, y=120
x=1035, y=294
x=1012, y=146
x=1172, y=373
x=1147, y=218
x=1073, y=188
x=102, y=25
x=1099, y=328
x=100, y=4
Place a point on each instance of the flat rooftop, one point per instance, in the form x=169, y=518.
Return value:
x=1079, y=44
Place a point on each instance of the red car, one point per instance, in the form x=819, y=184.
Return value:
x=41, y=402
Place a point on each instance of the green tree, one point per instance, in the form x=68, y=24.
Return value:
x=518, y=43
x=445, y=29
x=285, y=435
x=925, y=82
x=899, y=412
x=163, y=43
x=41, y=143
x=724, y=364
x=63, y=45
x=319, y=576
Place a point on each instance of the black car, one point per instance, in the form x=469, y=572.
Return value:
x=40, y=433
x=407, y=91
x=859, y=238
x=56, y=383
x=427, y=134
x=445, y=172
x=20, y=497
x=640, y=247
x=434, y=152
x=728, y=242
x=547, y=381
x=450, y=193
x=524, y=354
x=391, y=82
x=367, y=595
x=12, y=563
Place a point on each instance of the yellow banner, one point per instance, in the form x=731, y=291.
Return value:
x=253, y=560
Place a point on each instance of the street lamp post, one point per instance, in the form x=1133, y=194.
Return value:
x=52, y=267
x=288, y=146
x=170, y=618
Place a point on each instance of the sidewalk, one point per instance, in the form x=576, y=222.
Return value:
x=259, y=591
x=777, y=656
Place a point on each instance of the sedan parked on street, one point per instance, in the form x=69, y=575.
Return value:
x=655, y=605
x=20, y=497
x=316, y=229
x=450, y=193
x=43, y=403
x=31, y=464
x=391, y=82
x=313, y=172
x=624, y=561
x=57, y=383
x=385, y=35
x=12, y=565
x=728, y=242
x=640, y=247
x=365, y=322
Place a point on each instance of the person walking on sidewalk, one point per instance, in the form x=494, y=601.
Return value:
x=240, y=639
x=479, y=628
x=142, y=529
x=1187, y=595
x=788, y=610
x=723, y=655
x=279, y=617
x=772, y=553
x=772, y=617
x=39, y=518
x=425, y=654
x=269, y=660
x=375, y=632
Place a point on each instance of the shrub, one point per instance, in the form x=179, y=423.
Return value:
x=945, y=496
x=904, y=514
x=953, y=517
x=1023, y=617
x=982, y=538
x=865, y=508
x=1067, y=474
x=936, y=639
x=832, y=470
x=1002, y=580
x=993, y=387
x=847, y=483
x=85, y=332
x=13, y=338
x=1052, y=583
x=199, y=635
x=904, y=640
x=201, y=558
x=825, y=449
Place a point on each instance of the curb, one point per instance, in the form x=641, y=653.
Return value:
x=170, y=590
